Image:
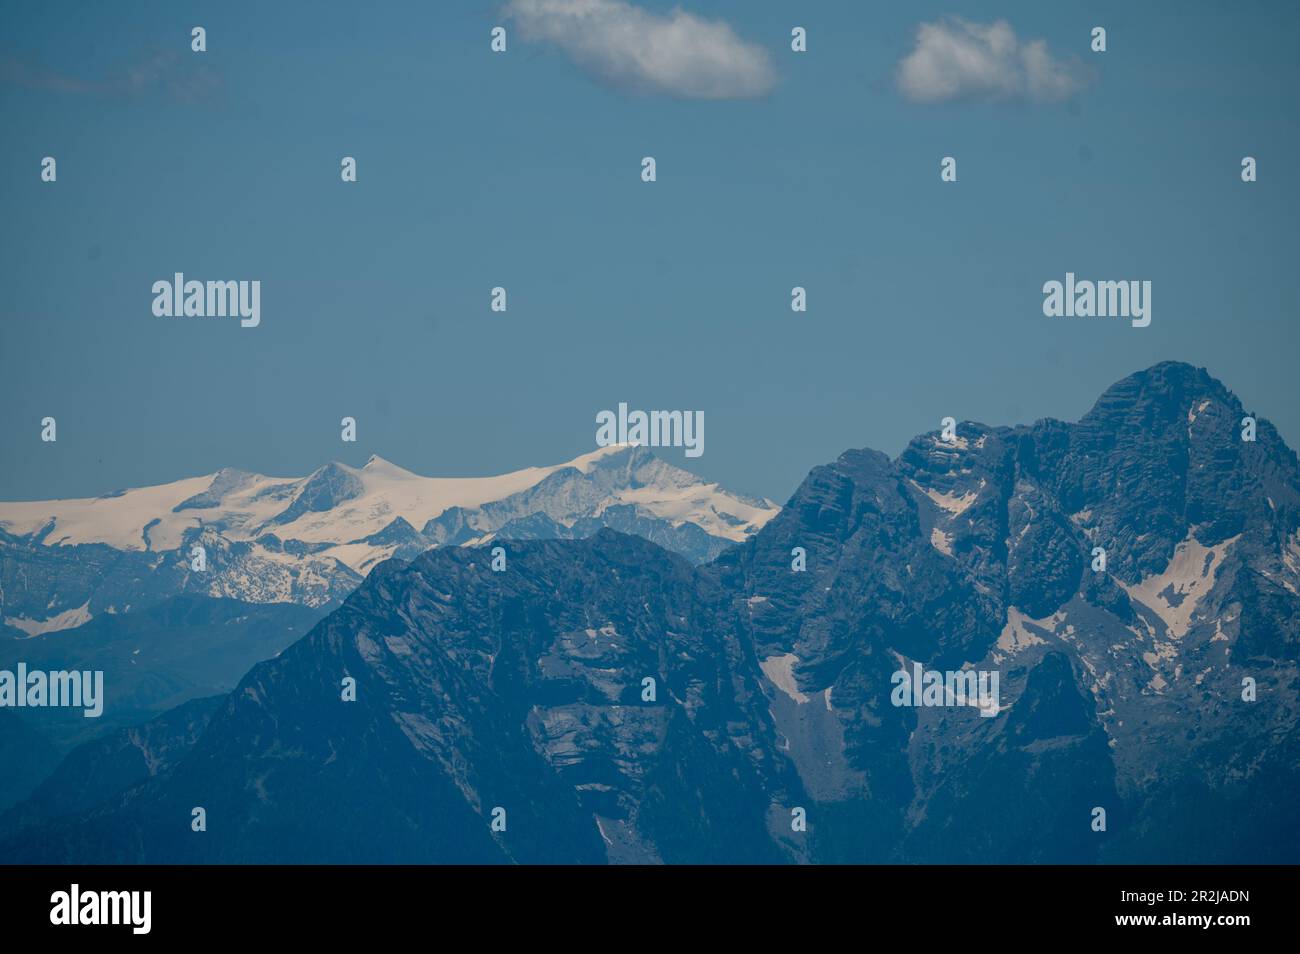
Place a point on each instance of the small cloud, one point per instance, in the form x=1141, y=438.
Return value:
x=957, y=59
x=622, y=44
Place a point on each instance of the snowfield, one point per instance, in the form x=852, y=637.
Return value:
x=339, y=506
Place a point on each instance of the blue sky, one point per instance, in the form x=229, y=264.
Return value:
x=522, y=170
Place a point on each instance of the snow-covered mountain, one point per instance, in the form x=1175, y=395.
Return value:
x=311, y=539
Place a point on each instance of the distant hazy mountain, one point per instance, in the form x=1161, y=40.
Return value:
x=769, y=689
x=26, y=757
x=107, y=765
x=156, y=658
x=311, y=540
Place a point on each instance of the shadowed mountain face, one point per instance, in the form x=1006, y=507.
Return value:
x=476, y=689
x=620, y=705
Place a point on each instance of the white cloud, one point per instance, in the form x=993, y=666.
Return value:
x=956, y=59
x=675, y=53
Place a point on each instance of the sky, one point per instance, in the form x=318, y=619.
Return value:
x=522, y=169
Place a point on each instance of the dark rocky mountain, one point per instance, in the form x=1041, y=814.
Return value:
x=475, y=689
x=1126, y=689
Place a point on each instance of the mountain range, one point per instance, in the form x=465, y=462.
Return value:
x=311, y=540
x=603, y=699
x=109, y=583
